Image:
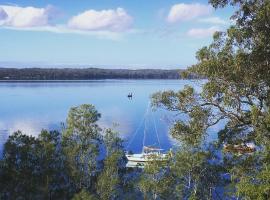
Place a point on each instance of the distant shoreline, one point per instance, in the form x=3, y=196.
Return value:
x=87, y=74
x=89, y=80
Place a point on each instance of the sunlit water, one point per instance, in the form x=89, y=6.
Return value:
x=32, y=106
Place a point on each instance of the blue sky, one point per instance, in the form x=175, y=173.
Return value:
x=106, y=33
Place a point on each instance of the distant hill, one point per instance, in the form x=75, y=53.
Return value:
x=86, y=74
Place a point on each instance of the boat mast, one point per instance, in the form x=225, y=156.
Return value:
x=144, y=131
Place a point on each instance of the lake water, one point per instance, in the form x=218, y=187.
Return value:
x=32, y=106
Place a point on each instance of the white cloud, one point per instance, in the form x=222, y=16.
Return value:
x=38, y=19
x=104, y=24
x=113, y=20
x=3, y=14
x=202, y=32
x=26, y=16
x=62, y=29
x=213, y=20
x=185, y=12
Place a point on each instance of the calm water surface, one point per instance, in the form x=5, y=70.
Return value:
x=32, y=106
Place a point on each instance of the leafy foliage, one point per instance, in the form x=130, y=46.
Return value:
x=67, y=165
x=81, y=145
x=33, y=168
x=237, y=93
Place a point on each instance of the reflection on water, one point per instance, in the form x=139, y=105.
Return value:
x=32, y=106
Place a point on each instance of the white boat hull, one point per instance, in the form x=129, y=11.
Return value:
x=139, y=160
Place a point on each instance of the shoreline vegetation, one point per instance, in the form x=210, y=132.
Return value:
x=237, y=66
x=84, y=74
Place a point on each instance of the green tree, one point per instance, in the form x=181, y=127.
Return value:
x=112, y=142
x=53, y=166
x=20, y=167
x=33, y=168
x=197, y=174
x=81, y=145
x=258, y=188
x=157, y=180
x=110, y=184
x=84, y=195
x=186, y=174
x=237, y=69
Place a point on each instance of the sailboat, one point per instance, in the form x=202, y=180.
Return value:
x=149, y=153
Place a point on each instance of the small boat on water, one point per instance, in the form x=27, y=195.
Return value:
x=240, y=148
x=129, y=95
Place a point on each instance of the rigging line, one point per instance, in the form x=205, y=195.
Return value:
x=156, y=130
x=136, y=131
x=144, y=131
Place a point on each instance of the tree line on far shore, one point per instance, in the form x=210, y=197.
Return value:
x=69, y=165
x=87, y=74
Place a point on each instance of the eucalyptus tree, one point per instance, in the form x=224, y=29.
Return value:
x=157, y=180
x=237, y=93
x=84, y=195
x=185, y=174
x=112, y=141
x=81, y=145
x=53, y=167
x=20, y=167
x=33, y=167
x=110, y=184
